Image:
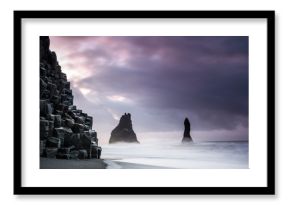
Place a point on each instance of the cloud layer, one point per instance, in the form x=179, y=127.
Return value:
x=160, y=81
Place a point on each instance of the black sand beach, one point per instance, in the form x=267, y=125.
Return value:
x=48, y=163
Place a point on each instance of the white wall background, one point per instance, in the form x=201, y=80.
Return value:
x=282, y=98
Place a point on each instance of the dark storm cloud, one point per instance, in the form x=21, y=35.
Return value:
x=168, y=78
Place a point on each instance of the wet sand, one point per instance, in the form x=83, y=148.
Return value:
x=114, y=164
x=127, y=165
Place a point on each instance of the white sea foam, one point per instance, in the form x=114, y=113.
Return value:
x=201, y=155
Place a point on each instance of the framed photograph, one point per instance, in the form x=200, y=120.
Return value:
x=144, y=102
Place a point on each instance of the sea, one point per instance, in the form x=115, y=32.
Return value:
x=173, y=155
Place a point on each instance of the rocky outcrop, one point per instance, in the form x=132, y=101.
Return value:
x=65, y=131
x=124, y=131
x=186, y=135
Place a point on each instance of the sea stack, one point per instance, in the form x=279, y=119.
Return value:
x=65, y=131
x=124, y=131
x=186, y=135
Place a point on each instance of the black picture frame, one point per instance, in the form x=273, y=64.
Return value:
x=269, y=189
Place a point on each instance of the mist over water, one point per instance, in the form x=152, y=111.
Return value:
x=172, y=154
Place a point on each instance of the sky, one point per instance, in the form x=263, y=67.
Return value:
x=160, y=80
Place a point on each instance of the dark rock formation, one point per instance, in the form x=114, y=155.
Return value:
x=65, y=131
x=186, y=135
x=124, y=131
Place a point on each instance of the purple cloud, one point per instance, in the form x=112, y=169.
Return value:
x=160, y=80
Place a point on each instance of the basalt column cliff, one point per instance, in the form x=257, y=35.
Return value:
x=65, y=131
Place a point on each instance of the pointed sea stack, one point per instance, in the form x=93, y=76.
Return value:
x=186, y=134
x=124, y=131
